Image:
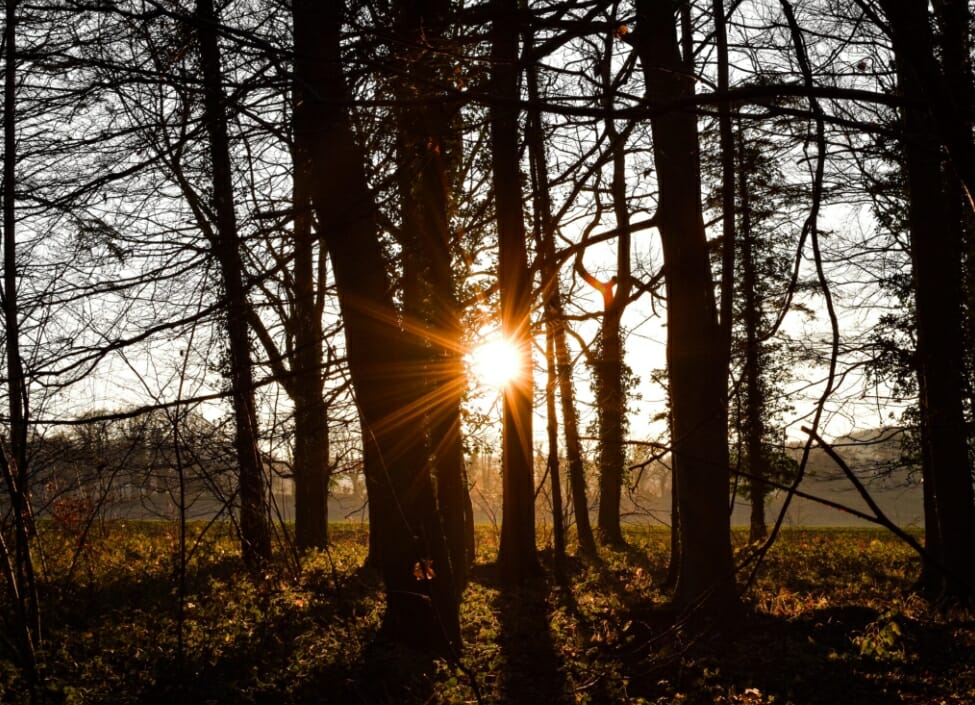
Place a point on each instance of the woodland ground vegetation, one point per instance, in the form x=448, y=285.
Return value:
x=830, y=618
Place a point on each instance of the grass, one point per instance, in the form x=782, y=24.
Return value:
x=830, y=619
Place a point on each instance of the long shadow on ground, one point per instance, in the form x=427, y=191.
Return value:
x=814, y=660
x=533, y=669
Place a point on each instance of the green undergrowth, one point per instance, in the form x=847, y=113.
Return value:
x=829, y=618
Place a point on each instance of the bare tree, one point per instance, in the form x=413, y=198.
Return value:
x=225, y=242
x=610, y=373
x=558, y=359
x=17, y=563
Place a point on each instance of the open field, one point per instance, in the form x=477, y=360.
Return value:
x=830, y=619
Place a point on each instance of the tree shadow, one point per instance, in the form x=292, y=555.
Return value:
x=815, y=659
x=247, y=649
x=388, y=674
x=533, y=671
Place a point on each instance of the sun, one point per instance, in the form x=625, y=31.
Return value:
x=495, y=363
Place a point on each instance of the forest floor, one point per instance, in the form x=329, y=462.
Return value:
x=829, y=619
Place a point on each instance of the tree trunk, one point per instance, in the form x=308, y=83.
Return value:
x=754, y=427
x=573, y=443
x=552, y=434
x=945, y=93
x=517, y=555
x=428, y=149
x=611, y=405
x=311, y=450
x=555, y=318
x=673, y=565
x=17, y=396
x=543, y=230
x=609, y=367
x=544, y=235
x=696, y=364
x=929, y=582
x=254, y=523
x=421, y=602
x=18, y=568
x=936, y=252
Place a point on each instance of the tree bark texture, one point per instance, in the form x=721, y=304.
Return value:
x=612, y=385
x=944, y=93
x=544, y=235
x=15, y=372
x=552, y=462
x=573, y=442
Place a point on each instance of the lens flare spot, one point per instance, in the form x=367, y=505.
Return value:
x=495, y=363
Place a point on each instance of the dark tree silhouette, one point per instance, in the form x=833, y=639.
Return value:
x=558, y=358
x=226, y=245
x=18, y=567
x=305, y=382
x=936, y=254
x=428, y=151
x=697, y=366
x=517, y=554
x=421, y=602
x=610, y=373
